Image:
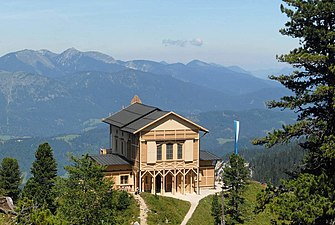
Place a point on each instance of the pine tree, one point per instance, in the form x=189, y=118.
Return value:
x=235, y=176
x=85, y=197
x=309, y=197
x=44, y=172
x=10, y=178
x=123, y=201
x=216, y=210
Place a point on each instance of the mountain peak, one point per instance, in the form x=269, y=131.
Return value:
x=31, y=58
x=100, y=56
x=70, y=51
x=47, y=53
x=197, y=62
x=68, y=55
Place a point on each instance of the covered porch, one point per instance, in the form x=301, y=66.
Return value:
x=170, y=181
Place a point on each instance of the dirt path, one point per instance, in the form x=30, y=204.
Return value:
x=143, y=209
x=194, y=200
x=190, y=212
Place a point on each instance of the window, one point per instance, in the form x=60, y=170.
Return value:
x=116, y=143
x=129, y=148
x=169, y=151
x=159, y=152
x=124, y=179
x=133, y=151
x=180, y=151
x=122, y=148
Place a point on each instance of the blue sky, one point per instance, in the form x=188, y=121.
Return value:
x=227, y=32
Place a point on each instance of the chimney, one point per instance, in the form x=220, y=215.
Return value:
x=136, y=99
x=105, y=151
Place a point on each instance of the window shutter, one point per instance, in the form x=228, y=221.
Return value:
x=152, y=151
x=189, y=150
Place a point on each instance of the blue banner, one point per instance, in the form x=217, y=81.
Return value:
x=237, y=131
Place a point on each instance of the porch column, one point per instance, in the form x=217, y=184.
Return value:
x=191, y=183
x=174, y=184
x=153, y=185
x=134, y=180
x=198, y=182
x=163, y=186
x=184, y=181
x=140, y=181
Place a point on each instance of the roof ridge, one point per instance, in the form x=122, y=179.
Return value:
x=151, y=109
x=156, y=109
x=177, y=115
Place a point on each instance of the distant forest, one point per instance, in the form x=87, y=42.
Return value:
x=268, y=165
x=273, y=164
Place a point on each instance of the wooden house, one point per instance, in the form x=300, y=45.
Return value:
x=156, y=151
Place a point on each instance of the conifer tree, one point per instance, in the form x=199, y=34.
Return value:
x=10, y=178
x=85, y=197
x=123, y=201
x=44, y=172
x=235, y=176
x=309, y=197
x=216, y=210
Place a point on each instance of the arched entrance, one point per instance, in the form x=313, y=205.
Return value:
x=158, y=183
x=147, y=183
x=168, y=183
x=179, y=183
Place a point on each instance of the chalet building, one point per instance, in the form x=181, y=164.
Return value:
x=156, y=151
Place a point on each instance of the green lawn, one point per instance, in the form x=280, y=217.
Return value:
x=202, y=214
x=164, y=209
x=131, y=214
x=5, y=219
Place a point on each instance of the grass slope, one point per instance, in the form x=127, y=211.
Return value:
x=165, y=209
x=131, y=214
x=202, y=214
x=6, y=219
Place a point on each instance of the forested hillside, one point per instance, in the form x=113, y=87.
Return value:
x=61, y=99
x=67, y=92
x=219, y=140
x=273, y=164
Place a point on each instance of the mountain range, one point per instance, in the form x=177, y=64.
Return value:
x=220, y=139
x=61, y=98
x=43, y=93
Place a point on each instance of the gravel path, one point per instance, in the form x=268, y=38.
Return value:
x=194, y=200
x=143, y=210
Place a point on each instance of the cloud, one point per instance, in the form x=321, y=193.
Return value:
x=183, y=43
x=180, y=43
x=197, y=42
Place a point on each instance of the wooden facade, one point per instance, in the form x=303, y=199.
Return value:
x=155, y=151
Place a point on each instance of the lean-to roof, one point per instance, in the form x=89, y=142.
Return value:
x=110, y=160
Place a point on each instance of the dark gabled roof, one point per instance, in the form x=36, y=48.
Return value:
x=206, y=155
x=134, y=117
x=138, y=116
x=175, y=114
x=145, y=120
x=110, y=160
x=129, y=114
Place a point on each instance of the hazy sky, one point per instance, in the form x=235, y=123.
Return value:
x=227, y=32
